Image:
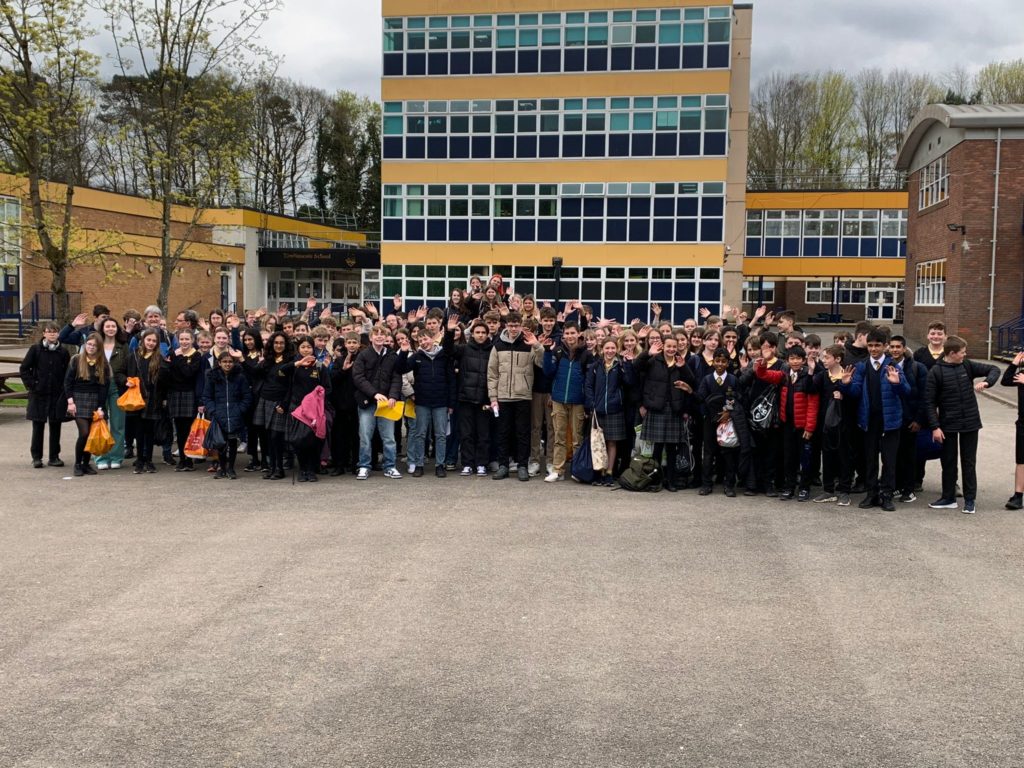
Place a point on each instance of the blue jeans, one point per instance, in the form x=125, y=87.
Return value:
x=452, y=444
x=417, y=441
x=367, y=423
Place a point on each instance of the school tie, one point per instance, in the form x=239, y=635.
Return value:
x=877, y=364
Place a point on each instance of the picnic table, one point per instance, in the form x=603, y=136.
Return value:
x=8, y=392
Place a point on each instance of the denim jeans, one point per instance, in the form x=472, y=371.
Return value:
x=367, y=423
x=417, y=441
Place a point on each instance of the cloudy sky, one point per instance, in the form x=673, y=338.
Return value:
x=336, y=45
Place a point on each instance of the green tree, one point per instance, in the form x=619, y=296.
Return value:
x=347, y=158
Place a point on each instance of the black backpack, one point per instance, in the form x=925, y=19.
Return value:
x=764, y=413
x=832, y=429
x=642, y=474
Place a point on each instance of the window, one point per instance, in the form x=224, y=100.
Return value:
x=753, y=295
x=930, y=284
x=10, y=232
x=270, y=239
x=933, y=183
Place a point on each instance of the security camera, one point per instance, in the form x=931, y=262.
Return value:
x=728, y=249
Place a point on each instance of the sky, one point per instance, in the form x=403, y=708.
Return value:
x=336, y=45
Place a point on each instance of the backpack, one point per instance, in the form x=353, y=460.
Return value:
x=832, y=430
x=641, y=475
x=764, y=413
x=582, y=468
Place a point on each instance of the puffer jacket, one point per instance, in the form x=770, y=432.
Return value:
x=604, y=390
x=660, y=392
x=227, y=398
x=567, y=369
x=510, y=368
x=1007, y=381
x=433, y=377
x=471, y=361
x=805, y=398
x=376, y=374
x=913, y=404
x=950, y=399
x=892, y=395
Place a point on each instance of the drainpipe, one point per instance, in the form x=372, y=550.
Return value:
x=995, y=230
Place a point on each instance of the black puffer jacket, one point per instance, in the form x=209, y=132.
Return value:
x=374, y=373
x=660, y=392
x=950, y=398
x=471, y=363
x=433, y=377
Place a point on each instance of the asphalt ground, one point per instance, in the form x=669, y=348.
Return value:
x=174, y=620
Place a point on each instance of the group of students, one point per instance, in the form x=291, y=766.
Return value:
x=500, y=384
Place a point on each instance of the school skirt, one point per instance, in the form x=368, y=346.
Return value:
x=613, y=424
x=662, y=427
x=266, y=415
x=181, y=405
x=86, y=404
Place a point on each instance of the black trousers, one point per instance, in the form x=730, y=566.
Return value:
x=837, y=465
x=345, y=438
x=906, y=461
x=36, y=447
x=670, y=451
x=967, y=442
x=309, y=456
x=877, y=442
x=769, y=461
x=474, y=434
x=697, y=446
x=514, y=432
x=182, y=427
x=144, y=430
x=793, y=446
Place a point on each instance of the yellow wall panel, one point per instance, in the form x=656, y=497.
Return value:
x=445, y=7
x=824, y=268
x=773, y=201
x=461, y=172
x=539, y=254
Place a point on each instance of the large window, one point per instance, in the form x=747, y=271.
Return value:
x=10, y=232
x=270, y=239
x=592, y=212
x=933, y=184
x=639, y=126
x=573, y=41
x=828, y=233
x=758, y=294
x=930, y=284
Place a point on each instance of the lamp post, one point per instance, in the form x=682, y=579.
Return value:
x=556, y=265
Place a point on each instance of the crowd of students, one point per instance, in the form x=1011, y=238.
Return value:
x=501, y=384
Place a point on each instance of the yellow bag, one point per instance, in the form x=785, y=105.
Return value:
x=391, y=414
x=132, y=399
x=100, y=441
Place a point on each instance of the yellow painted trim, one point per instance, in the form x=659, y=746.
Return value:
x=810, y=268
x=773, y=201
x=149, y=247
x=525, y=171
x=539, y=254
x=555, y=85
x=445, y=7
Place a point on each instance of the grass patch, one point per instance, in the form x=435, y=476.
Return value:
x=15, y=402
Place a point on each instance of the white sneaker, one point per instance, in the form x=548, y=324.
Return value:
x=412, y=468
x=102, y=465
x=513, y=466
x=534, y=468
x=115, y=465
x=551, y=467
x=392, y=474
x=481, y=471
x=466, y=471
x=553, y=477
x=363, y=474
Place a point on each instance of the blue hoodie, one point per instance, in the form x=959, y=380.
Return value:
x=567, y=372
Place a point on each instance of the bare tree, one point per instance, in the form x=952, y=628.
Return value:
x=779, y=116
x=1002, y=82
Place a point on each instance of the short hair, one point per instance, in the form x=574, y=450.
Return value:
x=788, y=314
x=513, y=317
x=567, y=326
x=436, y=314
x=770, y=338
x=953, y=344
x=548, y=313
x=720, y=354
x=351, y=336
x=381, y=328
x=753, y=342
x=49, y=325
x=937, y=326
x=478, y=324
x=328, y=322
x=840, y=337
x=877, y=336
x=492, y=316
x=797, y=351
x=795, y=335
x=100, y=309
x=899, y=339
x=153, y=309
x=191, y=317
x=320, y=332
x=204, y=335
x=862, y=328
x=130, y=314
x=225, y=355
x=837, y=351
x=812, y=340
x=712, y=319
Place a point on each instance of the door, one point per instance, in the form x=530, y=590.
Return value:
x=881, y=304
x=10, y=304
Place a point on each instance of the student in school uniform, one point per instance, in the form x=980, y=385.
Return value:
x=85, y=390
x=185, y=375
x=42, y=372
x=607, y=381
x=144, y=364
x=308, y=374
x=837, y=458
x=713, y=389
x=475, y=416
x=271, y=409
x=226, y=398
x=345, y=428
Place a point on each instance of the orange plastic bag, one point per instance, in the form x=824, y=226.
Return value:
x=100, y=441
x=196, y=435
x=132, y=399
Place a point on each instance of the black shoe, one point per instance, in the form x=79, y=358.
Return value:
x=1015, y=502
x=150, y=469
x=220, y=474
x=418, y=472
x=232, y=475
x=311, y=476
x=289, y=464
x=137, y=468
x=78, y=470
x=129, y=453
x=88, y=468
x=771, y=493
x=501, y=474
x=858, y=488
x=183, y=467
x=170, y=461
x=670, y=487
x=868, y=502
x=252, y=466
x=730, y=493
x=55, y=463
x=704, y=491
x=886, y=503
x=303, y=477
x=786, y=496
x=523, y=473
x=336, y=471
x=804, y=495
x=749, y=492
x=37, y=463
x=440, y=471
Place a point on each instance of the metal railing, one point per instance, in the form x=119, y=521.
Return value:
x=1010, y=336
x=43, y=306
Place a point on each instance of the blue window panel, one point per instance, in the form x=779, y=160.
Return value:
x=480, y=230
x=665, y=144
x=415, y=229
x=597, y=60
x=618, y=206
x=526, y=230
x=595, y=146
x=890, y=247
x=664, y=230
x=850, y=246
x=903, y=249
x=686, y=231
x=615, y=289
x=549, y=146
x=830, y=246
x=503, y=230
x=437, y=148
x=547, y=230
x=504, y=146
x=710, y=292
x=458, y=230
x=622, y=59
x=505, y=63
x=713, y=206
x=661, y=291
x=869, y=247
x=693, y=57
x=714, y=143
x=415, y=147
x=575, y=60
x=572, y=206
x=550, y=61
x=461, y=63
x=718, y=56
x=640, y=206
x=593, y=206
x=437, y=230
x=481, y=147
x=616, y=309
x=686, y=291
x=711, y=231
x=483, y=62
x=791, y=246
x=773, y=246
x=392, y=147
x=392, y=231
x=572, y=145
x=416, y=64
x=571, y=230
x=687, y=206
x=812, y=246
x=689, y=144
x=753, y=246
x=639, y=231
x=526, y=146
x=636, y=310
x=645, y=57
x=458, y=147
x=664, y=206
x=643, y=144
x=618, y=145
x=529, y=61
x=437, y=63
x=593, y=230
x=617, y=231
x=393, y=64
x=669, y=56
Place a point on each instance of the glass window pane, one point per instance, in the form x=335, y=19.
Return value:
x=597, y=35
x=575, y=36
x=693, y=33
x=643, y=121
x=551, y=37
x=669, y=34
x=645, y=34
x=506, y=38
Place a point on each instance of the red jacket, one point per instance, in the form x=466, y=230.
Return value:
x=805, y=402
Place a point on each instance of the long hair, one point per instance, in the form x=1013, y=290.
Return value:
x=257, y=340
x=269, y=346
x=100, y=362
x=120, y=337
x=154, y=360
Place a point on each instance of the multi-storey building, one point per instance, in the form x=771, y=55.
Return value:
x=591, y=149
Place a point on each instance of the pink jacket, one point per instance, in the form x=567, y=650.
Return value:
x=311, y=412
